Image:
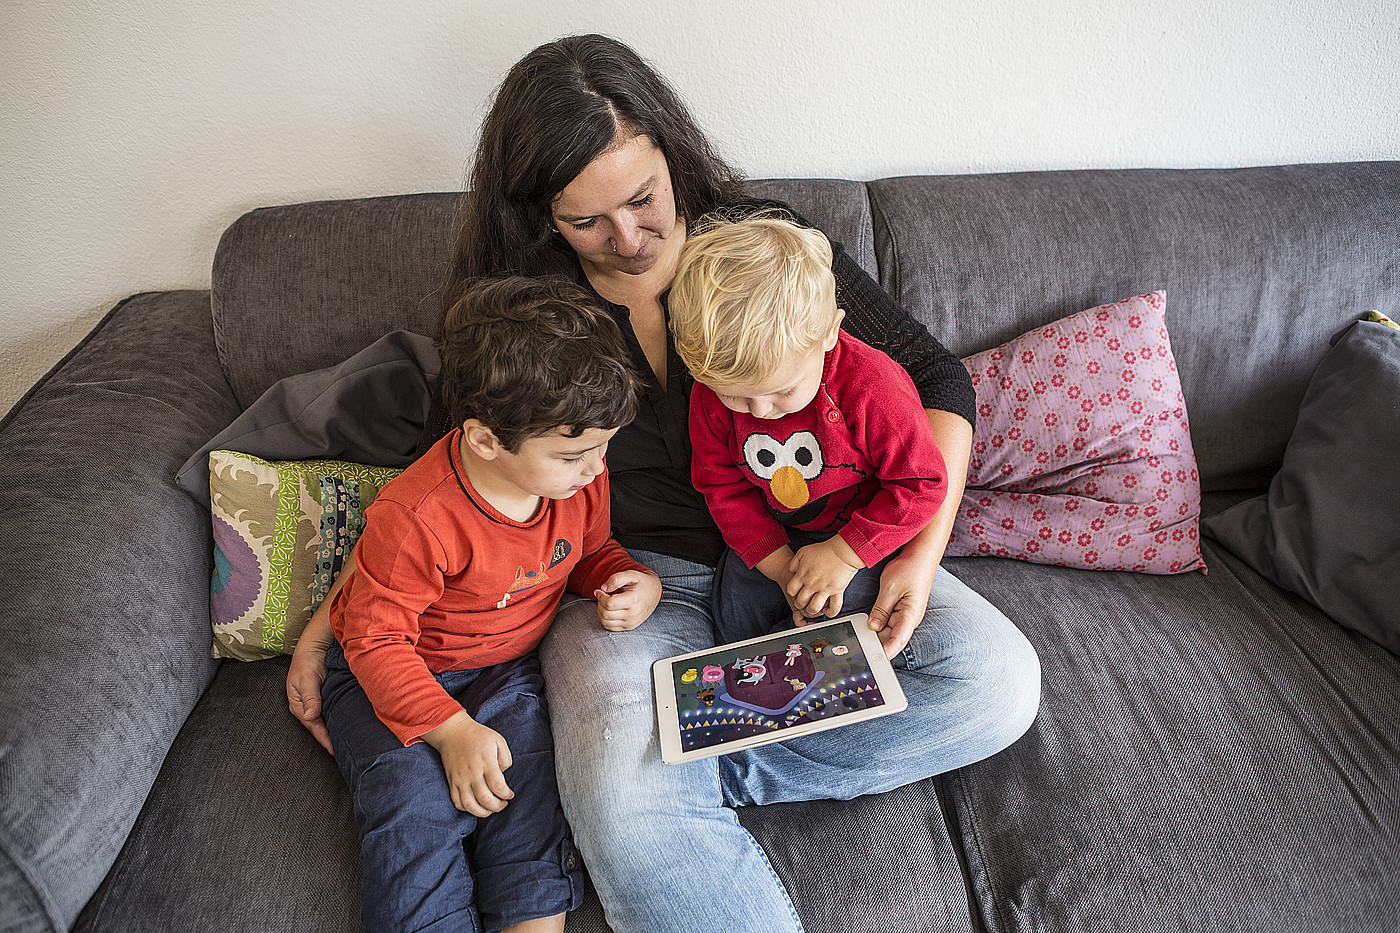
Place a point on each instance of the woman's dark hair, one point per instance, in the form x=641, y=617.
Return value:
x=557, y=109
x=526, y=357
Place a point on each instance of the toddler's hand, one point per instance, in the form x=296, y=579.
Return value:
x=475, y=758
x=820, y=574
x=626, y=599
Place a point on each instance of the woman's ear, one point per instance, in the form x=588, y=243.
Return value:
x=829, y=340
x=480, y=440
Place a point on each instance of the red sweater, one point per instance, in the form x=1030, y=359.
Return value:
x=859, y=460
x=446, y=582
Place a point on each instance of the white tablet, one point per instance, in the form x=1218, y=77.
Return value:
x=776, y=687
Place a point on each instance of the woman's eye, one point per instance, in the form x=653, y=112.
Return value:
x=573, y=459
x=584, y=224
x=643, y=202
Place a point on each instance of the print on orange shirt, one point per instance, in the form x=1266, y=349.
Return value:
x=527, y=579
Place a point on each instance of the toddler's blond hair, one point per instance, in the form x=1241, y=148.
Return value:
x=748, y=294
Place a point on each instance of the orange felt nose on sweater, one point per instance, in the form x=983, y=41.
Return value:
x=790, y=488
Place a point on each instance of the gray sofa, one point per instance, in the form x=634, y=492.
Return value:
x=1213, y=752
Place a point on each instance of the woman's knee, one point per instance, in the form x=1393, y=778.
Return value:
x=979, y=662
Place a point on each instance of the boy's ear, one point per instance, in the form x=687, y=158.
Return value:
x=829, y=340
x=480, y=440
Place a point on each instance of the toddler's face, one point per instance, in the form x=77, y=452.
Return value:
x=790, y=389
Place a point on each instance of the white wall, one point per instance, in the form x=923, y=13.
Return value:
x=132, y=133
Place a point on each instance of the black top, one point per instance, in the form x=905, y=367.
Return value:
x=654, y=505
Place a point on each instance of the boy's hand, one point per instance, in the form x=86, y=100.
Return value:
x=474, y=758
x=820, y=574
x=626, y=599
x=778, y=568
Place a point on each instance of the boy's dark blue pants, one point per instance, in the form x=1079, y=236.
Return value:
x=428, y=865
x=748, y=604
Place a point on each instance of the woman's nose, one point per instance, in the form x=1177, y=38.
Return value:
x=627, y=235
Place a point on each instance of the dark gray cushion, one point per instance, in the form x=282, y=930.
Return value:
x=877, y=864
x=837, y=207
x=304, y=286
x=1329, y=526
x=1211, y=753
x=371, y=409
x=104, y=595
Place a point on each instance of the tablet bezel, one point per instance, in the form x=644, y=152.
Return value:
x=668, y=717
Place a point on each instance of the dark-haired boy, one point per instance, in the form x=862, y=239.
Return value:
x=434, y=688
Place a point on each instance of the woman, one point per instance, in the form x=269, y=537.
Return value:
x=589, y=166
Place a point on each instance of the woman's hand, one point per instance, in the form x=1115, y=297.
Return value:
x=626, y=599
x=903, y=600
x=908, y=577
x=307, y=674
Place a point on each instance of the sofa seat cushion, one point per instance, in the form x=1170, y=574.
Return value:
x=249, y=799
x=882, y=863
x=1211, y=741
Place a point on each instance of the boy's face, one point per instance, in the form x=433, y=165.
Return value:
x=553, y=465
x=790, y=389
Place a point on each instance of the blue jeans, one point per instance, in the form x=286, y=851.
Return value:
x=973, y=685
x=428, y=865
x=748, y=604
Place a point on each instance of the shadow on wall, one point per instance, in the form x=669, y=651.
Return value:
x=25, y=359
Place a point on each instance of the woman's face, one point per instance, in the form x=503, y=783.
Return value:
x=619, y=212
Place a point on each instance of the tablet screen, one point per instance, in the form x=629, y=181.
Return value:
x=794, y=682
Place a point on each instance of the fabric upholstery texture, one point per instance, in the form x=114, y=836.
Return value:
x=251, y=802
x=1328, y=528
x=1212, y=753
x=1243, y=754
x=99, y=664
x=1083, y=452
x=1262, y=266
x=344, y=273
x=283, y=532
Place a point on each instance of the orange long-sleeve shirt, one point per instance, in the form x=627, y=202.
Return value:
x=446, y=582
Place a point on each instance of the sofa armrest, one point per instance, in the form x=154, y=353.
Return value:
x=104, y=582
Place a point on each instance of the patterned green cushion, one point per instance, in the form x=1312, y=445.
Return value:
x=282, y=533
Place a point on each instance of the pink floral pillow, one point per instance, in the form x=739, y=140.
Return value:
x=1082, y=456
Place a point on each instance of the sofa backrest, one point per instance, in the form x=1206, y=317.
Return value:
x=303, y=286
x=1261, y=266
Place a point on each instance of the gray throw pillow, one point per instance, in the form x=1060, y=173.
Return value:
x=380, y=407
x=1328, y=529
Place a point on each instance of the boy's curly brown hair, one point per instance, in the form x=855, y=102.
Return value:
x=527, y=357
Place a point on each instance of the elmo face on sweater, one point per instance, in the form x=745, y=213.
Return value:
x=858, y=457
x=800, y=479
